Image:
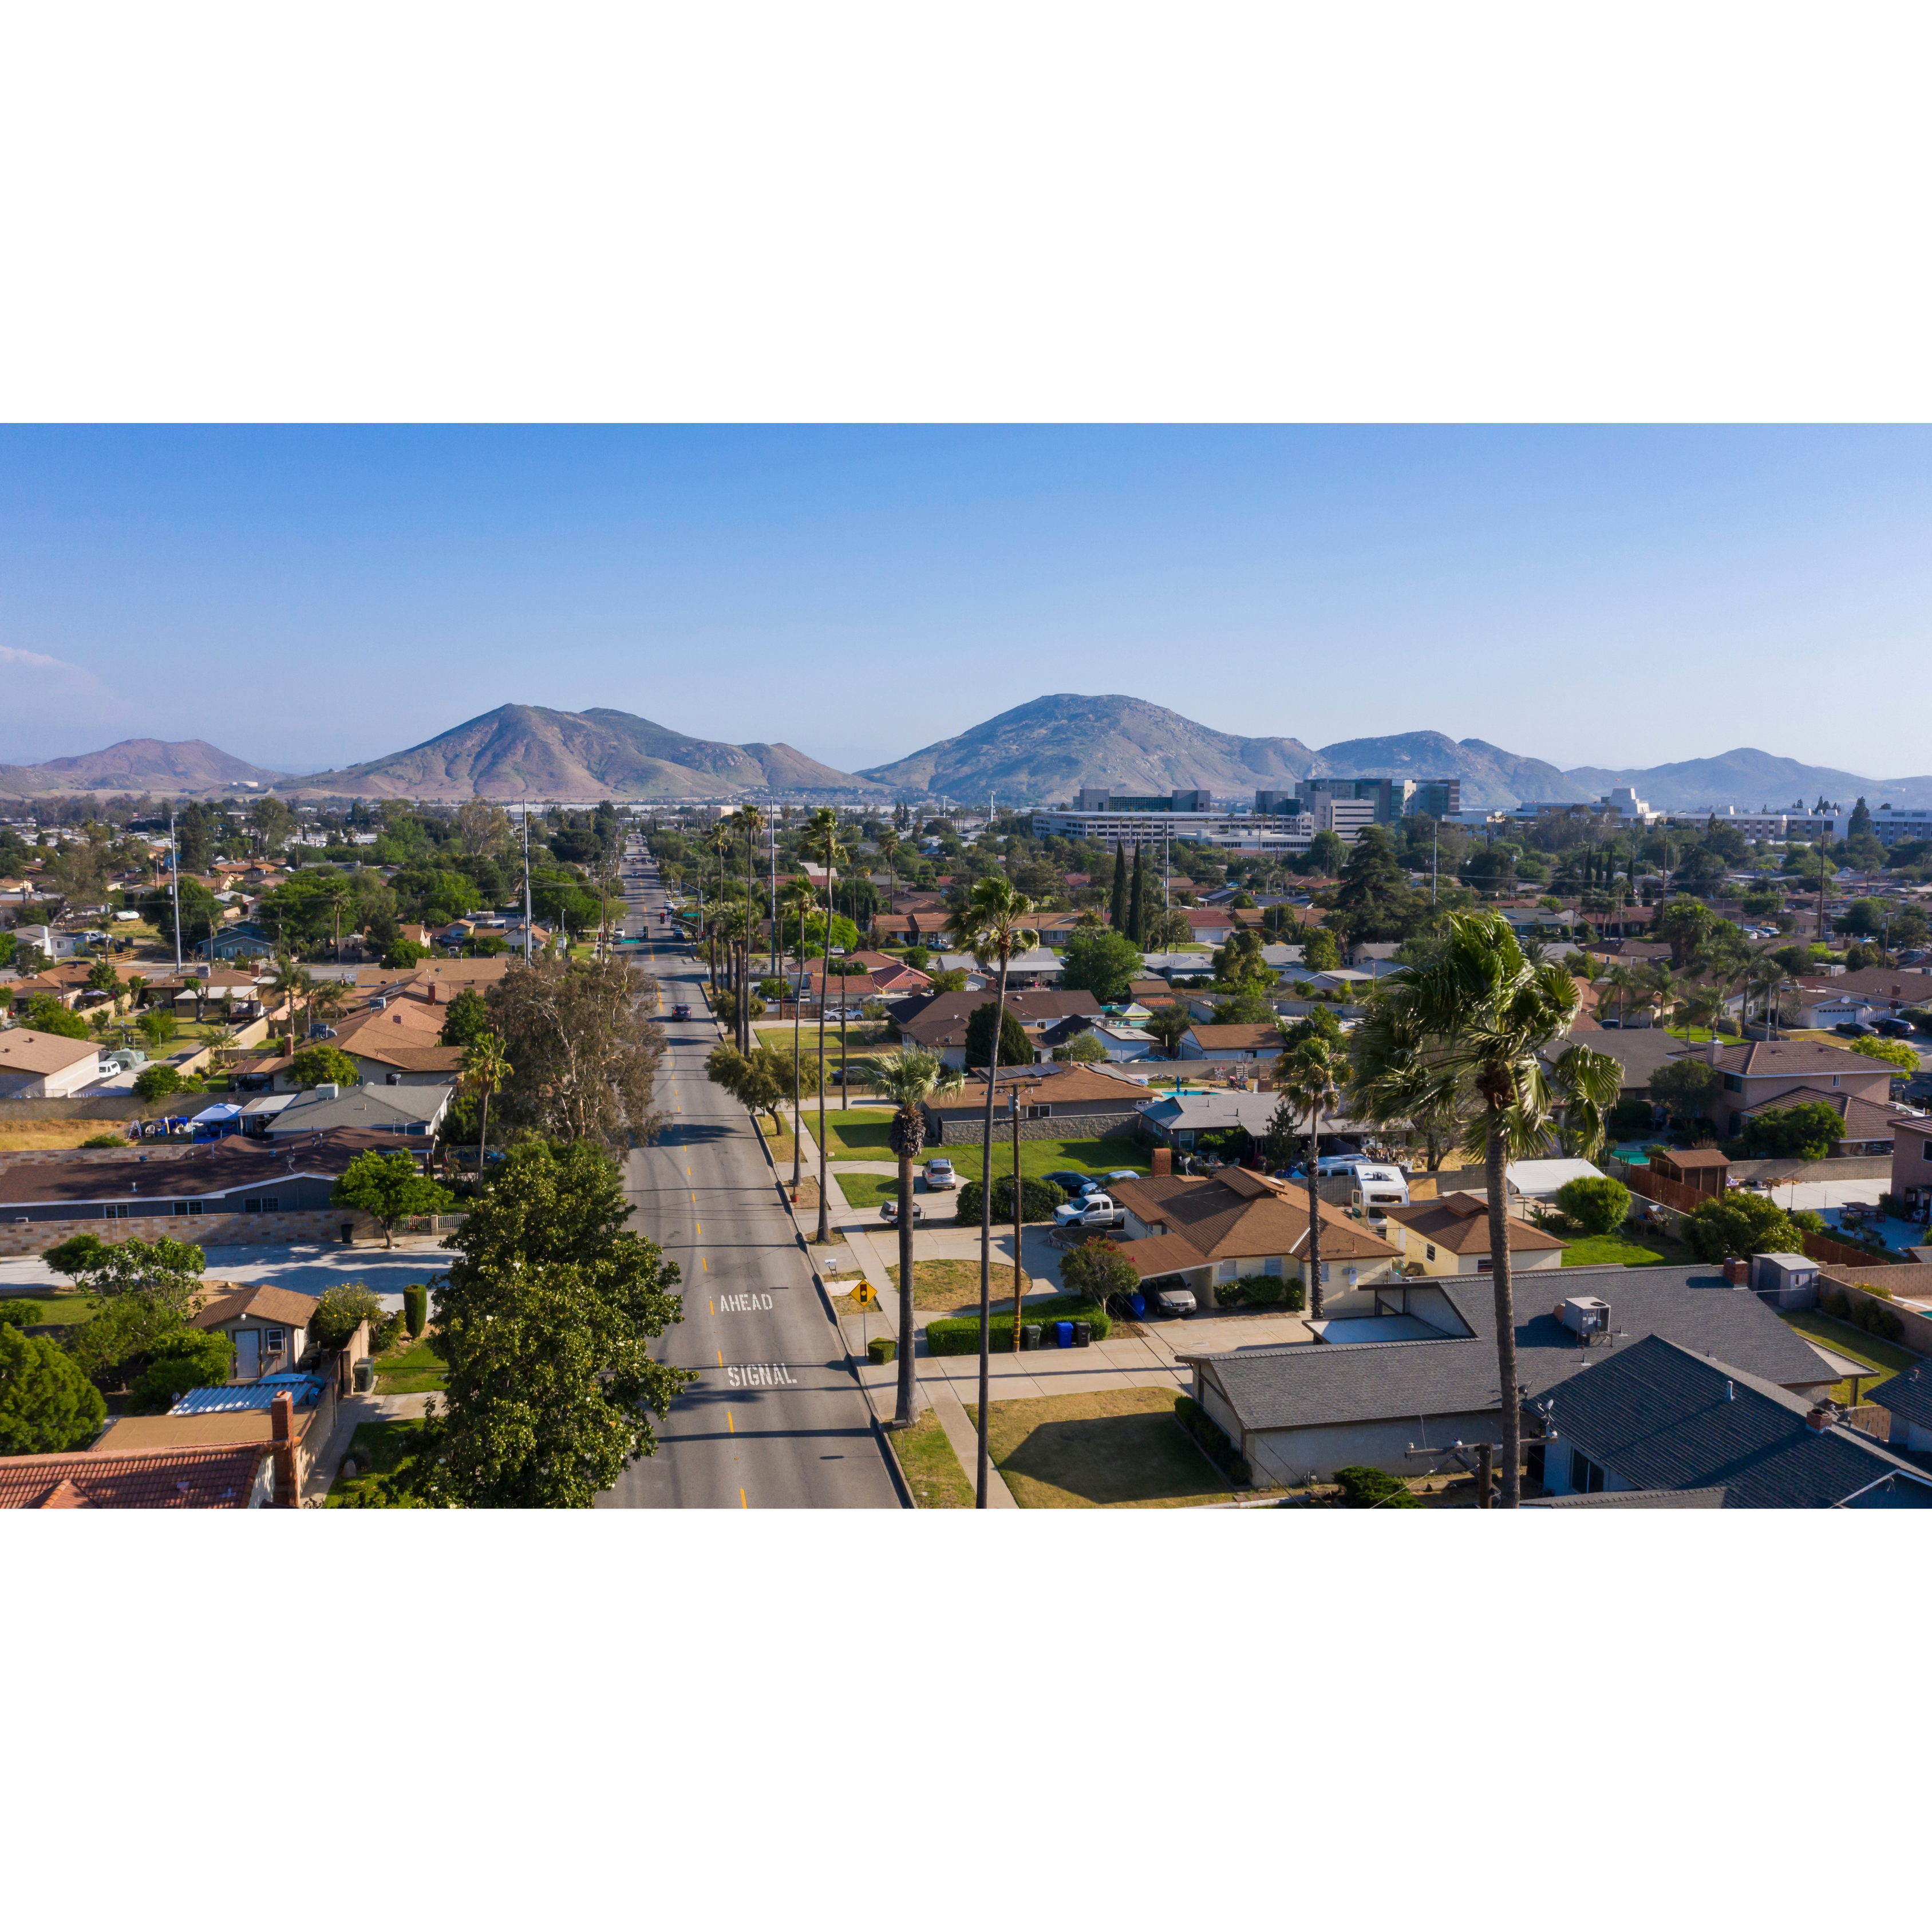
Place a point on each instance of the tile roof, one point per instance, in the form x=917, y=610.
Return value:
x=262, y=1299
x=1304, y=1386
x=1756, y=1059
x=202, y=1476
x=1235, y=1212
x=1460, y=1222
x=1663, y=1418
x=1864, y=1120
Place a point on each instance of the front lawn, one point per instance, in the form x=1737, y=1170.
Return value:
x=384, y=1453
x=932, y=1470
x=1621, y=1250
x=1112, y=1449
x=1883, y=1357
x=1039, y=1157
x=413, y=1370
x=949, y=1285
x=66, y=1309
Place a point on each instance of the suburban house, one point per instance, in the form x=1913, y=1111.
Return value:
x=1451, y=1236
x=1821, y=1004
x=1181, y=1119
x=1884, y=989
x=235, y=1190
x=1907, y=1400
x=400, y=1109
x=1657, y=1416
x=218, y=1475
x=1232, y=1045
x=1760, y=1071
x=268, y=1325
x=1871, y=1126
x=1639, y=1051
x=1911, y=1161
x=1124, y=1041
x=36, y=1066
x=285, y=1419
x=1423, y=1370
x=937, y=1024
x=1058, y=1100
x=1234, y=1224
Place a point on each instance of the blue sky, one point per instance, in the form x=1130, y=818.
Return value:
x=305, y=598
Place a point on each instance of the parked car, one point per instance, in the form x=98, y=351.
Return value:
x=1174, y=1302
x=1091, y=1210
x=680, y=1012
x=1893, y=1027
x=1071, y=1184
x=889, y=1213
x=939, y=1174
x=1123, y=1173
x=1853, y=1030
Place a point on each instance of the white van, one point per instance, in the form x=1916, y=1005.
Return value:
x=1379, y=1187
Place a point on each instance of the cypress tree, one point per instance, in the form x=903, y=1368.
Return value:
x=1137, y=905
x=1118, y=909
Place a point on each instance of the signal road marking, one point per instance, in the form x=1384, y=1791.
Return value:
x=760, y=1374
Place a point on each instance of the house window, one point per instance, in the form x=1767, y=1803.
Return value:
x=1733, y=1084
x=1485, y=1265
x=251, y=1207
x=1225, y=1270
x=1431, y=1250
x=1038, y=1113
x=1586, y=1478
x=274, y=1340
x=1272, y=1266
x=187, y=1207
x=117, y=1211
x=271, y=1203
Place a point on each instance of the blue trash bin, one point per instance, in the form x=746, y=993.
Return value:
x=1137, y=1302
x=1062, y=1334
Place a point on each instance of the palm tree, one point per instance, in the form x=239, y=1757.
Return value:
x=1764, y=977
x=719, y=839
x=907, y=1080
x=292, y=979
x=799, y=901
x=1309, y=1073
x=336, y=897
x=1478, y=1016
x=1625, y=983
x=821, y=842
x=1585, y=1085
x=990, y=928
x=753, y=822
x=1705, y=1008
x=485, y=1071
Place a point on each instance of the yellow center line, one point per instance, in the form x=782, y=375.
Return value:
x=721, y=1358
x=742, y=1503
x=729, y=1423
x=704, y=1264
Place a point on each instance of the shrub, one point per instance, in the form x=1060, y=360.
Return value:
x=190, y=1358
x=104, y=1140
x=415, y=1310
x=881, y=1348
x=1213, y=1441
x=340, y=1310
x=1878, y=1289
x=1741, y=1224
x=1099, y=1268
x=386, y=1333
x=156, y=1083
x=1366, y=1488
x=1038, y=1199
x=15, y=1314
x=959, y=1335
x=46, y=1405
x=1596, y=1204
x=1893, y=1205
x=1630, y=1117
x=323, y=1066
x=1260, y=1291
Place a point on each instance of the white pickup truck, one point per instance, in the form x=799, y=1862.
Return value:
x=1090, y=1211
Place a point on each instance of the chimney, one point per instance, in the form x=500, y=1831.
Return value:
x=282, y=1440
x=1163, y=1161
x=1737, y=1270
x=1818, y=1421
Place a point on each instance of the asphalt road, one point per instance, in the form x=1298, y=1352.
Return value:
x=775, y=1420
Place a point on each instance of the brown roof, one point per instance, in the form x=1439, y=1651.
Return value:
x=941, y=1020
x=1148, y=990
x=1058, y=1083
x=143, y=1435
x=1696, y=1157
x=1460, y=1222
x=204, y=1475
x=261, y=1298
x=1909, y=986
x=1236, y=1212
x=1162, y=1254
x=1263, y=1036
x=1864, y=1120
x=1759, y=1058
x=27, y=1050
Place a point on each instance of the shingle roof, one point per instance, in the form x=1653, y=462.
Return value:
x=1303, y=1385
x=261, y=1299
x=1635, y=1499
x=219, y=1476
x=1756, y=1058
x=1261, y=1037
x=1664, y=1418
x=1909, y=1395
x=1864, y=1120
x=1236, y=1213
x=941, y=1020
x=221, y=1167
x=28, y=1050
x=1460, y=1222
x=1057, y=1083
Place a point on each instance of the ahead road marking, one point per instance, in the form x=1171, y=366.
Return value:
x=744, y=1304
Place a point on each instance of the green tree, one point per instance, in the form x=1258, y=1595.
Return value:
x=343, y=1309
x=1686, y=1087
x=186, y=1359
x=1586, y=1086
x=1806, y=1132
x=1249, y=1006
x=1284, y=1133
x=1098, y=1269
x=120, y=1341
x=45, y=1014
x=1479, y=1017
x=322, y=1066
x=1137, y=908
x=1016, y=1049
x=168, y=1272
x=1100, y=962
x=485, y=1069
x=547, y=1318
x=1117, y=904
x=157, y=1083
x=908, y=1080
x=1597, y=1204
x=1680, y=923
x=1327, y=853
x=76, y=1257
x=1318, y=1023
x=1375, y=903
x=389, y=1188
x=466, y=1021
x=1240, y=962
x=1084, y=1049
x=1896, y=1051
x=1741, y=1223
x=102, y=978
x=1319, y=952
x=46, y=1404
x=1167, y=1023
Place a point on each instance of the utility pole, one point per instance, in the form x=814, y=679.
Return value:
x=174, y=879
x=772, y=828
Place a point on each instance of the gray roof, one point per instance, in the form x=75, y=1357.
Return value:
x=1640, y=1051
x=366, y=1106
x=1634, y=1499
x=1909, y=1395
x=1229, y=1107
x=1663, y=1418
x=1304, y=1385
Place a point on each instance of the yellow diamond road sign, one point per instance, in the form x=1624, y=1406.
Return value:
x=866, y=1294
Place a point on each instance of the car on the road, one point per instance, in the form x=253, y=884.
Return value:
x=1853, y=1030
x=1893, y=1027
x=1071, y=1184
x=889, y=1213
x=939, y=1174
x=1090, y=1211
x=680, y=1011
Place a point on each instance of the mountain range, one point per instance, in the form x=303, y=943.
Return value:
x=1044, y=750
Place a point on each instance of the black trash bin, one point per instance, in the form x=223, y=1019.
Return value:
x=1083, y=1333
x=1029, y=1335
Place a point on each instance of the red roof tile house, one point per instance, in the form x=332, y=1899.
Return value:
x=226, y=1475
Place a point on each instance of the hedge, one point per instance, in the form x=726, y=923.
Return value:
x=959, y=1335
x=1261, y=1291
x=881, y=1348
x=1213, y=1440
x=415, y=1310
x=15, y=1314
x=1038, y=1199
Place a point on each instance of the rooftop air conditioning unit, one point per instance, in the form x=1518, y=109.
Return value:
x=1585, y=1315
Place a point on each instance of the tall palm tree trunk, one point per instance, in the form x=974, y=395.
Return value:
x=986, y=1238
x=906, y=1132
x=824, y=1217
x=845, y=1054
x=482, y=1133
x=797, y=1064
x=1315, y=1302
x=1494, y=1171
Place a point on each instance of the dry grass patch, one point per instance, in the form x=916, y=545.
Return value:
x=43, y=1134
x=1112, y=1449
x=955, y=1284
x=932, y=1470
